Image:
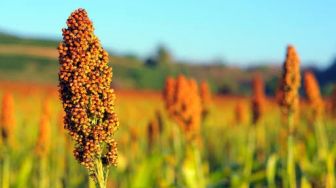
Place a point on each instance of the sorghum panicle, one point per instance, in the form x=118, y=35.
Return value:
x=291, y=81
x=7, y=117
x=240, y=113
x=195, y=105
x=154, y=128
x=159, y=120
x=152, y=132
x=183, y=104
x=258, y=98
x=169, y=92
x=312, y=91
x=88, y=100
x=205, y=95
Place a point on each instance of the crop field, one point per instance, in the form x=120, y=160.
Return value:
x=161, y=158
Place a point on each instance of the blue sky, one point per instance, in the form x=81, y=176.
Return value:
x=240, y=31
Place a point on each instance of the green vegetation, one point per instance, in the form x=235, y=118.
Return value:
x=132, y=72
x=11, y=39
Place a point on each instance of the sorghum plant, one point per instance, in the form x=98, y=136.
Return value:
x=291, y=81
x=257, y=104
x=316, y=103
x=7, y=125
x=88, y=100
x=258, y=98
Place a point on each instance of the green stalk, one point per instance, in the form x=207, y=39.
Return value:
x=100, y=176
x=5, y=171
x=58, y=157
x=271, y=170
x=178, y=154
x=92, y=183
x=290, y=153
x=43, y=176
x=331, y=171
x=67, y=170
x=23, y=175
x=305, y=183
x=321, y=139
x=323, y=152
x=199, y=169
x=249, y=157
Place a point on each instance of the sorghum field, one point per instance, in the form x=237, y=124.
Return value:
x=81, y=132
x=153, y=151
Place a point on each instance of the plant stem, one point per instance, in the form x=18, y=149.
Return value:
x=331, y=170
x=99, y=175
x=178, y=154
x=322, y=140
x=92, y=183
x=249, y=156
x=323, y=152
x=199, y=169
x=271, y=170
x=43, y=179
x=290, y=157
x=5, y=171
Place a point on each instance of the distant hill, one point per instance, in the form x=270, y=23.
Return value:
x=7, y=39
x=35, y=60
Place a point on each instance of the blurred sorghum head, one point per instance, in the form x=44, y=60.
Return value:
x=241, y=114
x=183, y=103
x=291, y=81
x=7, y=117
x=205, y=95
x=258, y=98
x=312, y=90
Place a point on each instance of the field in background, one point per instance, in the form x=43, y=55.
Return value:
x=143, y=163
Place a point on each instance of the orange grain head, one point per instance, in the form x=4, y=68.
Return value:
x=240, y=113
x=183, y=104
x=7, y=117
x=88, y=100
x=258, y=98
x=206, y=100
x=169, y=92
x=313, y=95
x=152, y=132
x=290, y=83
